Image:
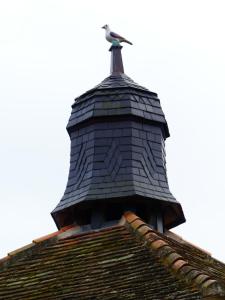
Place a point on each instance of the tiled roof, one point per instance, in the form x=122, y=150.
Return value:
x=127, y=261
x=118, y=95
x=119, y=81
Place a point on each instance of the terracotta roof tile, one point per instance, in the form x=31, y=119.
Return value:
x=12, y=253
x=53, y=234
x=127, y=261
x=176, y=263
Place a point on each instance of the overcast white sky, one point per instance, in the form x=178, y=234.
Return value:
x=52, y=51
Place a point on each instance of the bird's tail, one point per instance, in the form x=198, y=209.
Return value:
x=126, y=41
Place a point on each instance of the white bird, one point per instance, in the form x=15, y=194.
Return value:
x=113, y=37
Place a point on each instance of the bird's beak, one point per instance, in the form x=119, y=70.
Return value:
x=103, y=27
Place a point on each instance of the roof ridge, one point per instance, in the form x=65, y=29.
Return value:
x=174, y=236
x=177, y=265
x=36, y=245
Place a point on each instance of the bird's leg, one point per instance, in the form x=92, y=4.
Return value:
x=115, y=43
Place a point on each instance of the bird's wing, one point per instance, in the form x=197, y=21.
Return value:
x=116, y=36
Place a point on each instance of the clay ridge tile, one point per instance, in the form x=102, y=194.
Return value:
x=181, y=268
x=36, y=245
x=53, y=234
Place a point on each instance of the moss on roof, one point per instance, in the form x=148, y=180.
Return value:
x=127, y=261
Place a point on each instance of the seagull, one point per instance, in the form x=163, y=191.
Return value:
x=113, y=37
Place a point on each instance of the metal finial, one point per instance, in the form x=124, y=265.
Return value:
x=116, y=60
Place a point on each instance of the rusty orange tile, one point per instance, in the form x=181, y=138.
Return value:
x=158, y=244
x=178, y=264
x=172, y=258
x=65, y=228
x=46, y=237
x=130, y=216
x=137, y=223
x=151, y=236
x=143, y=230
